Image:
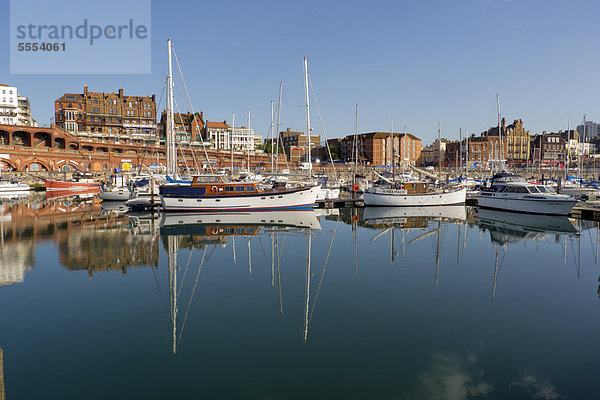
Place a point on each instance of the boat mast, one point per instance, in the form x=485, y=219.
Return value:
x=171, y=149
x=501, y=150
x=231, y=141
x=248, y=149
x=568, y=149
x=392, y=152
x=272, y=113
x=440, y=152
x=308, y=158
x=277, y=133
x=355, y=145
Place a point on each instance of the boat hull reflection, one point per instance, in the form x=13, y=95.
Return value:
x=389, y=214
x=510, y=226
x=187, y=223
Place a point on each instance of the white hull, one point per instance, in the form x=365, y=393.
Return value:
x=396, y=198
x=300, y=219
x=13, y=187
x=376, y=215
x=115, y=194
x=550, y=205
x=300, y=199
x=529, y=223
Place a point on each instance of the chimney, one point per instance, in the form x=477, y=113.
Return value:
x=202, y=115
x=85, y=87
x=503, y=124
x=121, y=93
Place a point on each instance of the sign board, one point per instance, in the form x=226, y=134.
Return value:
x=126, y=166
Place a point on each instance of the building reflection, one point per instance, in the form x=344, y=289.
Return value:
x=87, y=238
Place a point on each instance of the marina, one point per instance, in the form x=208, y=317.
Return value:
x=213, y=298
x=187, y=210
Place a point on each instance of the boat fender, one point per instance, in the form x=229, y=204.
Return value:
x=355, y=188
x=214, y=189
x=355, y=218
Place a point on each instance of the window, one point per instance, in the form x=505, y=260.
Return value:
x=239, y=188
x=250, y=189
x=95, y=101
x=129, y=104
x=229, y=188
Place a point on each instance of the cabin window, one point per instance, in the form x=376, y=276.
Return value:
x=533, y=189
x=239, y=188
x=250, y=189
x=229, y=188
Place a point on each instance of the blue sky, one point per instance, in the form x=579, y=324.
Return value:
x=419, y=62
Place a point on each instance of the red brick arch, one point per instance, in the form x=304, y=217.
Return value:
x=27, y=163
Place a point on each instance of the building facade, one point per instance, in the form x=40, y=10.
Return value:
x=14, y=109
x=590, y=128
x=222, y=136
x=381, y=148
x=188, y=128
x=548, y=148
x=295, y=144
x=106, y=114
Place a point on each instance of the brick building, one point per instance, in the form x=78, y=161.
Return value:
x=111, y=114
x=188, y=127
x=375, y=148
x=294, y=144
x=548, y=148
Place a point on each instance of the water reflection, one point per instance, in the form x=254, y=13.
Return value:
x=232, y=271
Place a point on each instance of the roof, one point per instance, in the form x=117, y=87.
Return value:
x=211, y=124
x=72, y=97
x=383, y=135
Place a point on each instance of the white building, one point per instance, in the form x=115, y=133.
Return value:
x=14, y=109
x=8, y=105
x=221, y=135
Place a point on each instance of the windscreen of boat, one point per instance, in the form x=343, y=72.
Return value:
x=546, y=189
x=534, y=189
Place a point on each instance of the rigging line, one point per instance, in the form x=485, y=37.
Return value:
x=592, y=243
x=185, y=272
x=192, y=107
x=162, y=296
x=189, y=145
x=191, y=296
x=323, y=128
x=323, y=272
x=263, y=250
x=211, y=252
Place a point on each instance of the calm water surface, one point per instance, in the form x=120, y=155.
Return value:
x=448, y=303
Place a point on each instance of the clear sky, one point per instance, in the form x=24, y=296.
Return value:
x=419, y=62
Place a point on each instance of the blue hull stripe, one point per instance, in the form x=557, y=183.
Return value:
x=299, y=207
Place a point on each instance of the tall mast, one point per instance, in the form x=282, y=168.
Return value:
x=440, y=152
x=355, y=141
x=277, y=133
x=501, y=152
x=392, y=152
x=249, y=145
x=308, y=158
x=231, y=141
x=170, y=139
x=460, y=158
x=568, y=149
x=271, y=136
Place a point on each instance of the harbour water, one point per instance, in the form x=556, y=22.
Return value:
x=374, y=303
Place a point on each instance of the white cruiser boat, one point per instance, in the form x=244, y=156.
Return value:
x=413, y=194
x=510, y=192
